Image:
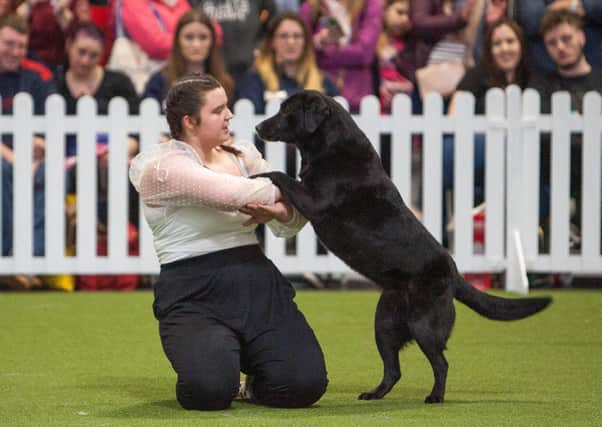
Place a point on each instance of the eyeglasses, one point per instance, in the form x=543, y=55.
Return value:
x=285, y=36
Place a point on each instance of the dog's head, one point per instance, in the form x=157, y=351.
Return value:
x=300, y=116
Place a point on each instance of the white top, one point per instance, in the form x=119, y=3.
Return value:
x=193, y=210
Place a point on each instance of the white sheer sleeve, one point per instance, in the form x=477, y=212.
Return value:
x=255, y=163
x=173, y=176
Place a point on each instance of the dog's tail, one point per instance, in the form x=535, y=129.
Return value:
x=498, y=308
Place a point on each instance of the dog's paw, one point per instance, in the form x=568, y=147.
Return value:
x=433, y=399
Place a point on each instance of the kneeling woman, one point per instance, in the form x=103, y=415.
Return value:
x=222, y=306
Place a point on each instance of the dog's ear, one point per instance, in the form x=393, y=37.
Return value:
x=315, y=111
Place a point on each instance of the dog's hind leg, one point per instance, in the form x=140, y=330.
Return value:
x=431, y=332
x=392, y=333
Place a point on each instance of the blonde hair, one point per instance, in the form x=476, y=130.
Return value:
x=308, y=74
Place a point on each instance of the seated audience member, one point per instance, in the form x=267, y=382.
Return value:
x=16, y=75
x=85, y=76
x=147, y=28
x=194, y=50
x=344, y=37
x=243, y=23
x=396, y=24
x=504, y=62
x=529, y=15
x=49, y=21
x=284, y=65
x=6, y=7
x=564, y=39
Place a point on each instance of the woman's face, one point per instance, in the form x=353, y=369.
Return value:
x=195, y=41
x=84, y=53
x=505, y=48
x=288, y=42
x=397, y=18
x=215, y=116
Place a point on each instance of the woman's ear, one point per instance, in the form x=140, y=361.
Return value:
x=188, y=123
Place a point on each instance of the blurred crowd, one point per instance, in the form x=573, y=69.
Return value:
x=267, y=49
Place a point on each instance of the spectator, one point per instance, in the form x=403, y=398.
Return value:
x=6, y=7
x=436, y=23
x=16, y=77
x=564, y=39
x=194, y=50
x=144, y=31
x=344, y=36
x=504, y=62
x=244, y=24
x=285, y=64
x=530, y=13
x=396, y=25
x=49, y=21
x=85, y=76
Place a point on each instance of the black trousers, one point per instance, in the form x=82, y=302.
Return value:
x=232, y=311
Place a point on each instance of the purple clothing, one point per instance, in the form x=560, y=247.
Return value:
x=429, y=25
x=351, y=64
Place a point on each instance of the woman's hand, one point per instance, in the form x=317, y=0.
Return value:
x=260, y=214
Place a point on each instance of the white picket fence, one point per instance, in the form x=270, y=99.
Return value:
x=512, y=126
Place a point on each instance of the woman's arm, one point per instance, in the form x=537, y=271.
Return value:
x=177, y=180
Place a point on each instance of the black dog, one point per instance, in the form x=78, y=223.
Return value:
x=360, y=216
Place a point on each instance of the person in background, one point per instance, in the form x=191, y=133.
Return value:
x=16, y=76
x=285, y=63
x=344, y=34
x=529, y=15
x=49, y=22
x=222, y=306
x=564, y=38
x=243, y=23
x=85, y=76
x=6, y=7
x=144, y=31
x=288, y=5
x=194, y=50
x=504, y=62
x=396, y=25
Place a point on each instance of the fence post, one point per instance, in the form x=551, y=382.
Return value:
x=22, y=182
x=432, y=176
x=516, y=275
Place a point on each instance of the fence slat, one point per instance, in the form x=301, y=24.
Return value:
x=55, y=181
x=560, y=178
x=591, y=179
x=432, y=165
x=87, y=182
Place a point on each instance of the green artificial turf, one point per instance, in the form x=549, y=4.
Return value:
x=94, y=359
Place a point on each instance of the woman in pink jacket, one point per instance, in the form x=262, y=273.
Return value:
x=345, y=33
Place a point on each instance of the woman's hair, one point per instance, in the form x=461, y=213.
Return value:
x=383, y=38
x=176, y=65
x=87, y=29
x=353, y=6
x=497, y=77
x=186, y=97
x=308, y=74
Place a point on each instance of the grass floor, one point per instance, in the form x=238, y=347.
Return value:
x=94, y=359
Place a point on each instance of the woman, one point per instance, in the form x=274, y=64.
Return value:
x=344, y=34
x=194, y=50
x=85, y=76
x=222, y=306
x=504, y=62
x=284, y=65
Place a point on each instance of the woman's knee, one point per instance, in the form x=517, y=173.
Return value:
x=290, y=389
x=202, y=393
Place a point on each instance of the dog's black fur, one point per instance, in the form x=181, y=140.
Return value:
x=360, y=216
